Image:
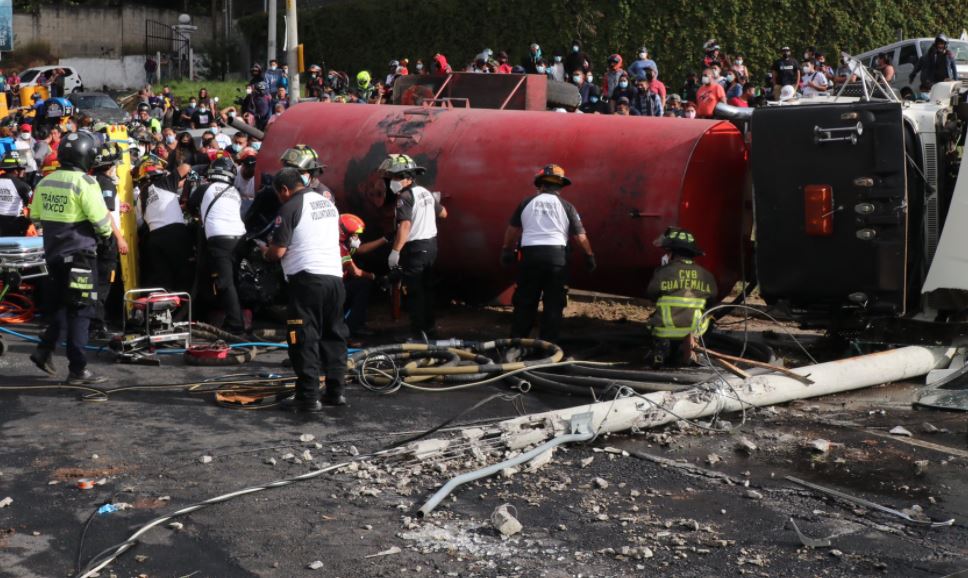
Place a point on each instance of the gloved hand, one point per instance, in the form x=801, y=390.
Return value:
x=394, y=260
x=590, y=263
x=508, y=257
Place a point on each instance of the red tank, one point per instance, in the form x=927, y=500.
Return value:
x=632, y=177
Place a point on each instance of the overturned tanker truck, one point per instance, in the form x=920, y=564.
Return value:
x=849, y=196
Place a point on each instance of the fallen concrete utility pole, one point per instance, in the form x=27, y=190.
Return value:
x=660, y=408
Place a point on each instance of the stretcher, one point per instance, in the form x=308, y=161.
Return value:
x=22, y=257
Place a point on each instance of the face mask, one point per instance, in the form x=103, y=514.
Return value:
x=396, y=186
x=623, y=84
x=305, y=180
x=665, y=260
x=541, y=69
x=202, y=109
x=730, y=77
x=739, y=61
x=25, y=136
x=354, y=242
x=643, y=55
x=236, y=148
x=706, y=80
x=593, y=99
x=420, y=67
x=924, y=96
x=557, y=59
x=589, y=78
x=248, y=90
x=256, y=145
x=170, y=139
x=575, y=48
x=213, y=130
x=806, y=70
x=806, y=56
x=577, y=79
x=272, y=67
x=192, y=104
x=690, y=114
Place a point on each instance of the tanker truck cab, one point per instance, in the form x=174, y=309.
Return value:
x=860, y=216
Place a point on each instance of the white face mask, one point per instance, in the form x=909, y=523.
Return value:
x=739, y=61
x=354, y=242
x=577, y=79
x=806, y=70
x=690, y=114
x=540, y=69
x=706, y=80
x=396, y=186
x=589, y=77
x=25, y=136
x=643, y=55
x=272, y=67
x=305, y=180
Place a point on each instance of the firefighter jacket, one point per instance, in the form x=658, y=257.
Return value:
x=69, y=206
x=681, y=291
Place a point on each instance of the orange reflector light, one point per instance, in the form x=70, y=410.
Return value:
x=818, y=202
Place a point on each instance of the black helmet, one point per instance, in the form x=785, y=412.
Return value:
x=400, y=165
x=260, y=86
x=222, y=170
x=679, y=240
x=77, y=151
x=12, y=161
x=144, y=107
x=107, y=154
x=302, y=157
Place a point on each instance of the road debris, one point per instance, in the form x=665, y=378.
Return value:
x=504, y=521
x=754, y=495
x=920, y=467
x=900, y=431
x=205, y=459
x=6, y=502
x=744, y=445
x=315, y=565
x=904, y=515
x=388, y=552
x=808, y=542
x=600, y=483
x=307, y=437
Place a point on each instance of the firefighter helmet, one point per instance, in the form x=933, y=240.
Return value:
x=552, y=174
x=678, y=240
x=302, y=157
x=400, y=165
x=107, y=154
x=222, y=170
x=350, y=225
x=12, y=161
x=150, y=167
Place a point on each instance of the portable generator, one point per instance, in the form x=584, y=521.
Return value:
x=153, y=318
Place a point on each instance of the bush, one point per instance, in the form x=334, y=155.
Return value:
x=28, y=54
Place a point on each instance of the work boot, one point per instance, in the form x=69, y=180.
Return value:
x=338, y=401
x=84, y=377
x=295, y=404
x=44, y=361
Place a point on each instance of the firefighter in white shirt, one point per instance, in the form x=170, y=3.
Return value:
x=414, y=247
x=542, y=225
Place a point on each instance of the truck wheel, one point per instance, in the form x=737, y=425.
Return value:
x=563, y=94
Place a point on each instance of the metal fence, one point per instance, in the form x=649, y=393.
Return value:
x=168, y=49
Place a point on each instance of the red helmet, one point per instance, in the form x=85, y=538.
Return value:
x=350, y=225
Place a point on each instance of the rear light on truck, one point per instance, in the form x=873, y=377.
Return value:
x=818, y=203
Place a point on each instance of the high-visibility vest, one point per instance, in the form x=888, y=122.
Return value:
x=667, y=307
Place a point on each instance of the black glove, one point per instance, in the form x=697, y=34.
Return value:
x=590, y=263
x=508, y=257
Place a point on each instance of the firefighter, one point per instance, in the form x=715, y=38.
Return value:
x=14, y=196
x=105, y=173
x=681, y=290
x=220, y=212
x=542, y=225
x=69, y=206
x=414, y=247
x=356, y=281
x=306, y=241
x=168, y=248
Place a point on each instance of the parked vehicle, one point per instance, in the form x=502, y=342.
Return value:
x=37, y=76
x=99, y=106
x=906, y=53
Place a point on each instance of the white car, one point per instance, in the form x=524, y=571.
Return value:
x=34, y=76
x=906, y=53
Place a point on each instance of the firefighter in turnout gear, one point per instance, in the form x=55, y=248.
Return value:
x=306, y=241
x=542, y=225
x=681, y=290
x=68, y=205
x=414, y=247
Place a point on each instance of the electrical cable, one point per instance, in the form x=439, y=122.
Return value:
x=454, y=418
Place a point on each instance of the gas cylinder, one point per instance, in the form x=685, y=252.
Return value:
x=632, y=177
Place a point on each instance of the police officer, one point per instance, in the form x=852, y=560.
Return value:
x=306, y=240
x=14, y=196
x=220, y=213
x=542, y=225
x=69, y=206
x=414, y=247
x=168, y=248
x=681, y=290
x=108, y=249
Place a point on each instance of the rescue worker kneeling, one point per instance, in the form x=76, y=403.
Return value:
x=306, y=240
x=356, y=281
x=681, y=290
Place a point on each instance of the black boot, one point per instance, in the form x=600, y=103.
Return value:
x=44, y=360
x=300, y=405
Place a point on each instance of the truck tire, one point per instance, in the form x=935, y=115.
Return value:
x=563, y=94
